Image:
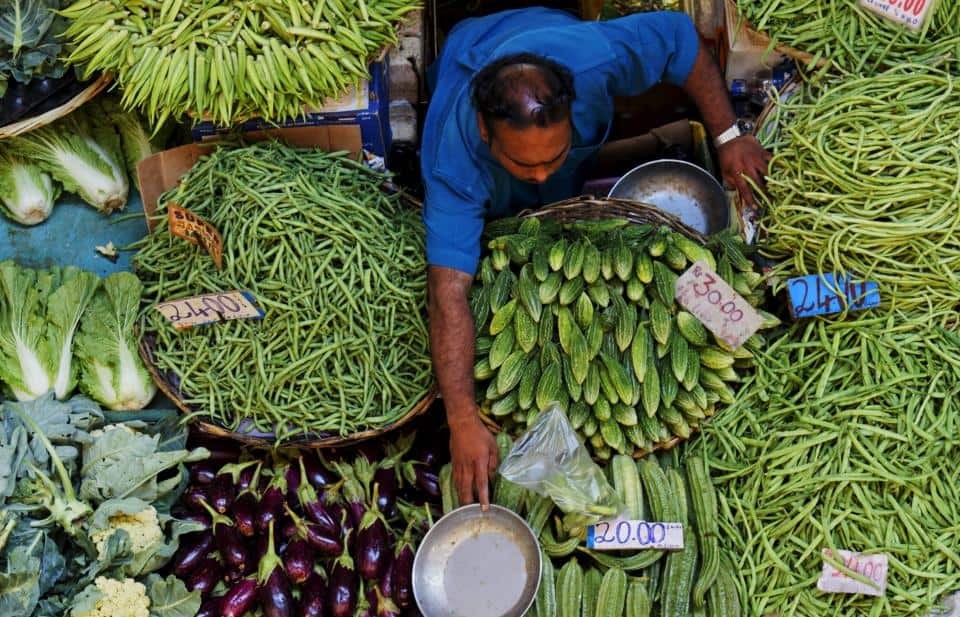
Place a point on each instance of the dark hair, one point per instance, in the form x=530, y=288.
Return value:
x=523, y=90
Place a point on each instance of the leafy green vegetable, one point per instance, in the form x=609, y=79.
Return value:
x=65, y=307
x=21, y=333
x=68, y=149
x=30, y=41
x=111, y=369
x=169, y=597
x=27, y=193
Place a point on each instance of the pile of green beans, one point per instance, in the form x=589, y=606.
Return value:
x=853, y=39
x=847, y=437
x=866, y=180
x=337, y=265
x=228, y=61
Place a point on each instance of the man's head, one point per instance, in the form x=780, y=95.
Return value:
x=523, y=109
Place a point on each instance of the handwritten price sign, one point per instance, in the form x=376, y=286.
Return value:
x=722, y=310
x=871, y=567
x=210, y=308
x=910, y=13
x=817, y=295
x=621, y=535
x=194, y=229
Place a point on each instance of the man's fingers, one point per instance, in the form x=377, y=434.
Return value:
x=493, y=462
x=464, y=480
x=481, y=479
x=745, y=193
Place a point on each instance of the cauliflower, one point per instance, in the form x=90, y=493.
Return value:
x=143, y=528
x=112, y=598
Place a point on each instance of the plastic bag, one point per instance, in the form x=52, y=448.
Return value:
x=551, y=461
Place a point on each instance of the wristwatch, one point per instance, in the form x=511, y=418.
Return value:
x=737, y=130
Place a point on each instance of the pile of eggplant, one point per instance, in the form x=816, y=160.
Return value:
x=305, y=534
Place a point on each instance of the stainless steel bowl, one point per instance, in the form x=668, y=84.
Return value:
x=477, y=564
x=680, y=188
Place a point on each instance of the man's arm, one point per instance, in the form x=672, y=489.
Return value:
x=472, y=448
x=742, y=156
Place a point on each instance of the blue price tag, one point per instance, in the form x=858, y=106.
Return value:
x=823, y=294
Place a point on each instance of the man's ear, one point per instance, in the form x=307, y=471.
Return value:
x=484, y=132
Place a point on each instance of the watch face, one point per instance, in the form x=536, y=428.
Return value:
x=745, y=127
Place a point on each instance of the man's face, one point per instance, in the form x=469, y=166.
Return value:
x=532, y=154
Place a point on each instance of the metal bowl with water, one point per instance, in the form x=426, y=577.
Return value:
x=683, y=189
x=477, y=564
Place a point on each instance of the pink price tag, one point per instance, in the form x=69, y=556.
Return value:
x=873, y=567
x=722, y=310
x=910, y=13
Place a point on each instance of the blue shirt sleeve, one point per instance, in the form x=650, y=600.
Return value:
x=454, y=223
x=649, y=48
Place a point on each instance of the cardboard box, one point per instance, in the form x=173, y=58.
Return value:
x=362, y=113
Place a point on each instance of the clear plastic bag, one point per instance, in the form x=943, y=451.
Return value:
x=550, y=460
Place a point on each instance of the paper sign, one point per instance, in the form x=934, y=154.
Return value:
x=621, y=534
x=210, y=308
x=192, y=228
x=910, y=13
x=817, y=295
x=873, y=567
x=722, y=310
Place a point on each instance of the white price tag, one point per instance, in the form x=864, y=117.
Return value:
x=210, y=308
x=722, y=310
x=873, y=567
x=910, y=13
x=619, y=534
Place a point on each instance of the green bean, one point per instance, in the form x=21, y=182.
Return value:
x=343, y=345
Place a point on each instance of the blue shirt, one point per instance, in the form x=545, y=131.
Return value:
x=464, y=183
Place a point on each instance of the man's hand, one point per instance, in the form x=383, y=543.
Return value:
x=743, y=158
x=475, y=458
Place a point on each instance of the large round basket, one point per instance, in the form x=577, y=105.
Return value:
x=87, y=94
x=248, y=434
x=590, y=208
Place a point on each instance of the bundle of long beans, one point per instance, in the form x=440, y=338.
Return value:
x=338, y=267
x=231, y=60
x=866, y=180
x=847, y=437
x=855, y=40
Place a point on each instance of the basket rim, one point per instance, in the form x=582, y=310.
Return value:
x=256, y=438
x=21, y=127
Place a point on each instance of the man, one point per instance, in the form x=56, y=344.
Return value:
x=521, y=104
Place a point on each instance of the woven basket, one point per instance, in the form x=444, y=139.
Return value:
x=249, y=435
x=88, y=94
x=590, y=208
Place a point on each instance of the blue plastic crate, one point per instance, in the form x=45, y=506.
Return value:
x=373, y=119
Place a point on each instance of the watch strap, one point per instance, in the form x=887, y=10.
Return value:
x=728, y=135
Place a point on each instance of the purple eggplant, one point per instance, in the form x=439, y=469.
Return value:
x=205, y=576
x=293, y=481
x=249, y=476
x=194, y=498
x=387, y=487
x=313, y=596
x=272, y=501
x=313, y=506
x=298, y=560
x=191, y=553
x=403, y=575
x=373, y=544
x=317, y=473
x=210, y=607
x=200, y=518
x=203, y=472
x=244, y=511
x=276, y=597
x=224, y=487
x=428, y=482
x=325, y=545
x=239, y=599
x=228, y=541
x=342, y=587
x=385, y=583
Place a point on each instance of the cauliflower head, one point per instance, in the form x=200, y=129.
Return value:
x=108, y=597
x=142, y=527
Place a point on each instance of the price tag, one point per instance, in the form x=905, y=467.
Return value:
x=621, y=534
x=192, y=228
x=816, y=294
x=210, y=308
x=722, y=310
x=910, y=13
x=873, y=567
